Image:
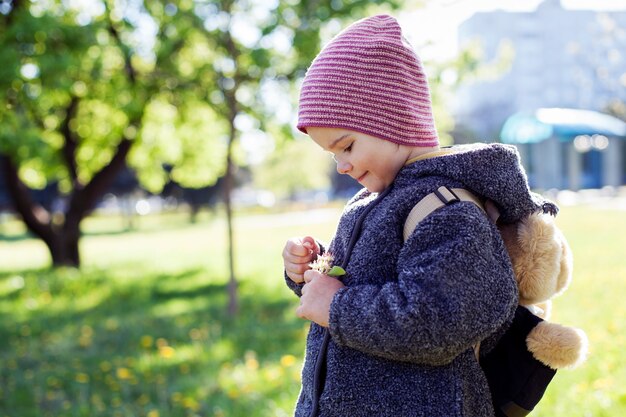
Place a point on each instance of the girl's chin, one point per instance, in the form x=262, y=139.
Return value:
x=374, y=185
x=374, y=188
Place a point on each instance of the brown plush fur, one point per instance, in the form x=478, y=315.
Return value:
x=557, y=346
x=542, y=263
x=536, y=248
x=567, y=264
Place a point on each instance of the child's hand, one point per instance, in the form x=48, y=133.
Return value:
x=297, y=255
x=317, y=295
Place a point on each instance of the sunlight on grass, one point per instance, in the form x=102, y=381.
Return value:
x=141, y=329
x=594, y=302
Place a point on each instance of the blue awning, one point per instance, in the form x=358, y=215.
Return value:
x=563, y=123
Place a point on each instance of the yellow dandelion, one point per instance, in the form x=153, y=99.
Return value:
x=233, y=393
x=82, y=378
x=191, y=404
x=602, y=383
x=166, y=352
x=153, y=413
x=146, y=341
x=287, y=360
x=123, y=373
x=252, y=364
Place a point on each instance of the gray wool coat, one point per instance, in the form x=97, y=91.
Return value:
x=403, y=328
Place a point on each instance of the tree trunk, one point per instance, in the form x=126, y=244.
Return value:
x=231, y=100
x=233, y=305
x=62, y=239
x=64, y=250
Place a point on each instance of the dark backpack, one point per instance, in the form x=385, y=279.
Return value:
x=517, y=380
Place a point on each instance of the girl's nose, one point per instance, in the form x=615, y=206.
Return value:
x=343, y=167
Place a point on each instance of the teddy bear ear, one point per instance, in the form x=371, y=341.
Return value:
x=535, y=247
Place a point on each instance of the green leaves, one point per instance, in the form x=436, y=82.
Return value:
x=336, y=271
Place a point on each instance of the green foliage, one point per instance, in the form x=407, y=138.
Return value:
x=299, y=166
x=142, y=328
x=141, y=344
x=39, y=56
x=197, y=158
x=130, y=64
x=336, y=271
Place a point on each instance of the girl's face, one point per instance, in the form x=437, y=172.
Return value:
x=373, y=162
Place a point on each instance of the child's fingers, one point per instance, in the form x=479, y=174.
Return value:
x=297, y=268
x=309, y=275
x=295, y=277
x=310, y=243
x=297, y=255
x=296, y=248
x=296, y=251
x=296, y=259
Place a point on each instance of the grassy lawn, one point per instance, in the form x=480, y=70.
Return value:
x=141, y=329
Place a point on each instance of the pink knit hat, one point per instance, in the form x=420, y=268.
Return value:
x=369, y=79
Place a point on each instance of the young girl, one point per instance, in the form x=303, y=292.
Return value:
x=395, y=335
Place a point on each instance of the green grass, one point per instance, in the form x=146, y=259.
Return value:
x=141, y=329
x=595, y=303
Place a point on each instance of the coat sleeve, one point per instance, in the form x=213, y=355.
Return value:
x=454, y=287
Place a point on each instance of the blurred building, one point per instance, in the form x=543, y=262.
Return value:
x=563, y=58
x=569, y=148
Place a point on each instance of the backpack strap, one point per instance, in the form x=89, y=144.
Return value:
x=443, y=196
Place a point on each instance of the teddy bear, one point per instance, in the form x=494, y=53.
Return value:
x=542, y=263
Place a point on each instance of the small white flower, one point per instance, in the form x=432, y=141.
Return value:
x=324, y=265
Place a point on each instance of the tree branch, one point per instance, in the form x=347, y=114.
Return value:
x=85, y=199
x=69, y=148
x=36, y=218
x=128, y=65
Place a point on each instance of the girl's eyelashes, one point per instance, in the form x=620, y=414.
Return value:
x=346, y=149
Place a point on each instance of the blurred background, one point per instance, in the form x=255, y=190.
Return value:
x=150, y=173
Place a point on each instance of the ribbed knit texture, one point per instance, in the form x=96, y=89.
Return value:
x=370, y=80
x=403, y=327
